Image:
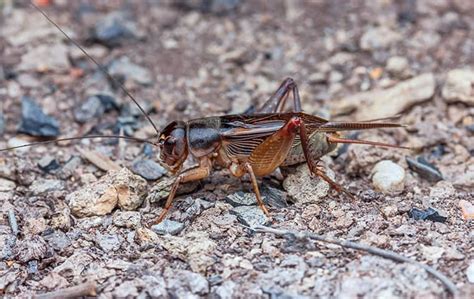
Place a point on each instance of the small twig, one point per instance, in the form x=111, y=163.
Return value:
x=373, y=250
x=12, y=221
x=85, y=289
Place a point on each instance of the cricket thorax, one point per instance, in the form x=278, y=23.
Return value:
x=204, y=136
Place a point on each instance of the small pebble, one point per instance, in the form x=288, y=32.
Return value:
x=459, y=86
x=14, y=142
x=467, y=209
x=425, y=169
x=70, y=167
x=399, y=66
x=6, y=185
x=388, y=177
x=109, y=242
x=123, y=67
x=114, y=29
x=90, y=109
x=249, y=215
x=428, y=214
x=46, y=185
x=274, y=197
x=470, y=272
x=148, y=169
x=241, y=198
x=58, y=240
x=169, y=227
x=126, y=219
x=48, y=163
x=2, y=123
x=34, y=122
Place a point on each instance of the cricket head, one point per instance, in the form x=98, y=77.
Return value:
x=173, y=146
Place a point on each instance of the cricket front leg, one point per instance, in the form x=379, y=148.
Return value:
x=193, y=174
x=277, y=101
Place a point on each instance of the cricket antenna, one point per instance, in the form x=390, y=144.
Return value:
x=102, y=69
x=78, y=138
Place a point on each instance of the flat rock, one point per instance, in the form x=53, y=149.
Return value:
x=123, y=67
x=399, y=66
x=90, y=109
x=6, y=185
x=168, y=227
x=391, y=101
x=148, y=169
x=44, y=58
x=302, y=187
x=388, y=177
x=249, y=215
x=129, y=219
x=162, y=188
x=378, y=38
x=114, y=29
x=46, y=185
x=24, y=27
x=108, y=242
x=241, y=198
x=184, y=283
x=467, y=209
x=424, y=169
x=121, y=188
x=458, y=86
x=48, y=163
x=58, y=240
x=470, y=272
x=2, y=123
x=35, y=122
x=428, y=214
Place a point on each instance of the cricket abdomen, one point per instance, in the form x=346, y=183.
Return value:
x=318, y=147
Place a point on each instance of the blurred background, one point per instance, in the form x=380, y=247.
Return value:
x=184, y=59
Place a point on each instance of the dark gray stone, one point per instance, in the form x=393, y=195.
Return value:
x=90, y=109
x=34, y=122
x=168, y=227
x=241, y=198
x=428, y=214
x=48, y=163
x=148, y=169
x=58, y=240
x=425, y=169
x=2, y=123
x=109, y=242
x=249, y=215
x=114, y=29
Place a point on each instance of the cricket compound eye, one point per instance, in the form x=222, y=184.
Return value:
x=173, y=145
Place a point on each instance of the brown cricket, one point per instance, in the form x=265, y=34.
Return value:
x=254, y=144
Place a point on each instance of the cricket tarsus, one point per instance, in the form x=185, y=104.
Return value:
x=78, y=138
x=102, y=68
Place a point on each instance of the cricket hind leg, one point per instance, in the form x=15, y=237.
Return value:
x=313, y=166
x=276, y=102
x=193, y=174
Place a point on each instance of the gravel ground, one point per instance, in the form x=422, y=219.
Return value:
x=74, y=212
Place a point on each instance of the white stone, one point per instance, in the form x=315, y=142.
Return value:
x=388, y=177
x=459, y=86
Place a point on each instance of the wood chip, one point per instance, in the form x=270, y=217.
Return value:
x=101, y=161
